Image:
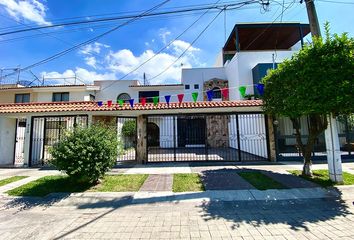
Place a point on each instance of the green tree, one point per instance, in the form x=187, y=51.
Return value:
x=129, y=128
x=315, y=82
x=86, y=154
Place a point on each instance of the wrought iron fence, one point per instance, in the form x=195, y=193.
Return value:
x=287, y=148
x=211, y=137
x=46, y=131
x=126, y=132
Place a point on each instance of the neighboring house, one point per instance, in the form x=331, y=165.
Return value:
x=228, y=128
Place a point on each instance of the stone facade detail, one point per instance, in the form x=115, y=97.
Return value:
x=217, y=131
x=212, y=83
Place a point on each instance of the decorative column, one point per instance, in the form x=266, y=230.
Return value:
x=271, y=138
x=89, y=120
x=141, y=145
x=27, y=143
x=333, y=151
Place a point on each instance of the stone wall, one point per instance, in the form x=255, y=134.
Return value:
x=215, y=82
x=217, y=131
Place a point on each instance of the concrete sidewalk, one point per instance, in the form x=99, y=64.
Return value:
x=179, y=167
x=93, y=198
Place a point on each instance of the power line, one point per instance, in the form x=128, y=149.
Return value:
x=190, y=45
x=118, y=13
x=119, y=18
x=108, y=25
x=269, y=25
x=98, y=26
x=45, y=33
x=163, y=48
x=90, y=40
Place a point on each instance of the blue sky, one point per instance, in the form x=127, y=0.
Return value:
x=120, y=52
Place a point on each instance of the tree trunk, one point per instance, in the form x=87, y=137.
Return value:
x=318, y=123
x=307, y=168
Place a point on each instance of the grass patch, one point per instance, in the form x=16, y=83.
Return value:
x=49, y=184
x=189, y=182
x=261, y=181
x=321, y=177
x=11, y=179
x=54, y=184
x=121, y=183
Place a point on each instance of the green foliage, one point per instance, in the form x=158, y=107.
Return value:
x=49, y=184
x=321, y=177
x=317, y=80
x=10, y=180
x=129, y=128
x=187, y=182
x=348, y=120
x=86, y=154
x=121, y=183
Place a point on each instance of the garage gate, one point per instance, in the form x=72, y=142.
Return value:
x=207, y=137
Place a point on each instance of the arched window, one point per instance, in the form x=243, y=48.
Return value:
x=217, y=92
x=123, y=96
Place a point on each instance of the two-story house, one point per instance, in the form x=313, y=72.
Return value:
x=228, y=128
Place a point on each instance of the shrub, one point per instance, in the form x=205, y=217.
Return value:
x=86, y=154
x=129, y=128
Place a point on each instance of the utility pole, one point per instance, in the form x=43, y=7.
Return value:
x=331, y=133
x=313, y=20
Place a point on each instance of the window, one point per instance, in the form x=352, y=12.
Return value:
x=61, y=97
x=217, y=93
x=124, y=96
x=196, y=86
x=148, y=95
x=22, y=98
x=53, y=130
x=92, y=97
x=186, y=86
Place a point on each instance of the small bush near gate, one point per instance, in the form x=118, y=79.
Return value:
x=86, y=154
x=129, y=128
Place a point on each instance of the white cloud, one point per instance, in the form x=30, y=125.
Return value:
x=91, y=61
x=116, y=64
x=179, y=46
x=124, y=61
x=81, y=73
x=164, y=34
x=92, y=48
x=31, y=10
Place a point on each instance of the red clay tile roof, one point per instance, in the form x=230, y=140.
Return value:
x=92, y=106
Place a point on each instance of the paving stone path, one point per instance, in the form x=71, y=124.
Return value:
x=157, y=182
x=224, y=180
x=77, y=219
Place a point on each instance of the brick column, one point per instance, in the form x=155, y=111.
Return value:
x=141, y=145
x=271, y=139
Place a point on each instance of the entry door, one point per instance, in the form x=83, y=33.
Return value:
x=19, y=141
x=191, y=131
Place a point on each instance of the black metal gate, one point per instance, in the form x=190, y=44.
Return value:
x=46, y=131
x=288, y=150
x=19, y=141
x=126, y=130
x=207, y=137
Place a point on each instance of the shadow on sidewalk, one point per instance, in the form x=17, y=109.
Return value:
x=297, y=213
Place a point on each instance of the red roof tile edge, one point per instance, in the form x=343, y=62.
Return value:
x=92, y=106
